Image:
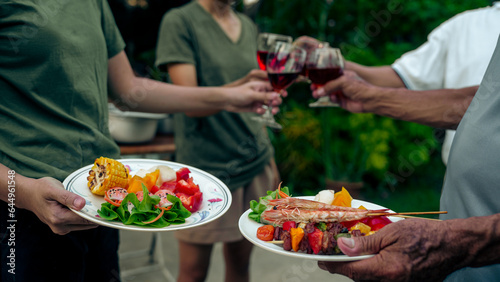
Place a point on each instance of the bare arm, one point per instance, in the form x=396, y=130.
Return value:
x=383, y=76
x=46, y=198
x=185, y=75
x=421, y=250
x=147, y=95
x=442, y=108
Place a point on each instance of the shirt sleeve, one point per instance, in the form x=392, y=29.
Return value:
x=175, y=41
x=114, y=41
x=424, y=68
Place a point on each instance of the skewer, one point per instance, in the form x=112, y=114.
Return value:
x=401, y=214
x=276, y=242
x=406, y=213
x=409, y=216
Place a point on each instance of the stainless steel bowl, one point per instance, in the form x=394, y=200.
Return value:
x=133, y=127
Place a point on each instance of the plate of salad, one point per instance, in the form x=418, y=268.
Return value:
x=140, y=209
x=250, y=222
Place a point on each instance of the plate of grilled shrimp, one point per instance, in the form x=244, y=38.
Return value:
x=327, y=221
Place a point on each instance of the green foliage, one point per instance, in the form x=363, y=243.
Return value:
x=316, y=144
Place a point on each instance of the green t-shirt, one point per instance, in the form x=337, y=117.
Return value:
x=229, y=145
x=53, y=85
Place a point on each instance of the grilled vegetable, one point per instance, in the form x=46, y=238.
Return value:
x=296, y=235
x=265, y=232
x=106, y=174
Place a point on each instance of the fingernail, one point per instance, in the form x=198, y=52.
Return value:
x=78, y=203
x=348, y=242
x=320, y=92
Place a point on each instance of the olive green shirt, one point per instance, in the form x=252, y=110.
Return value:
x=53, y=85
x=229, y=145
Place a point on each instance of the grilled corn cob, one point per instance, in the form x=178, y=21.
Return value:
x=106, y=174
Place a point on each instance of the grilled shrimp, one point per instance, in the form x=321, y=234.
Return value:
x=278, y=217
x=291, y=203
x=301, y=210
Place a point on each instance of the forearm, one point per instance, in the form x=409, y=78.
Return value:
x=442, y=108
x=383, y=76
x=12, y=187
x=475, y=240
x=147, y=95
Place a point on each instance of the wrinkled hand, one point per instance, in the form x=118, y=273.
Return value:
x=251, y=96
x=408, y=250
x=350, y=91
x=51, y=202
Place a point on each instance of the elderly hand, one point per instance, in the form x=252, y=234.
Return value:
x=408, y=250
x=47, y=198
x=349, y=91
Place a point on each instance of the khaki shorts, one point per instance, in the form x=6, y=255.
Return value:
x=225, y=228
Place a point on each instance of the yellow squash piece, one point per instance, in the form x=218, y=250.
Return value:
x=361, y=227
x=296, y=235
x=105, y=174
x=342, y=198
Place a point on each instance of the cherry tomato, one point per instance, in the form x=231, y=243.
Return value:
x=265, y=233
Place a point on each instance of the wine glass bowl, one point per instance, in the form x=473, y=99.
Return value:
x=323, y=65
x=265, y=41
x=284, y=63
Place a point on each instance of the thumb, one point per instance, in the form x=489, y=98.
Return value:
x=68, y=199
x=356, y=246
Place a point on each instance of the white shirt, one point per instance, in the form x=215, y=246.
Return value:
x=455, y=55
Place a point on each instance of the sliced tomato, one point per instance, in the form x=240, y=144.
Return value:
x=183, y=173
x=154, y=189
x=187, y=187
x=191, y=202
x=169, y=186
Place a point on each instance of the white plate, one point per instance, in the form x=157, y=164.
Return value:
x=216, y=196
x=249, y=227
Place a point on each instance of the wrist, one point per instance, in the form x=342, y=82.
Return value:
x=478, y=238
x=24, y=191
x=386, y=102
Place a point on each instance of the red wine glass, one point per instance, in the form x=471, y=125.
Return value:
x=284, y=64
x=265, y=41
x=323, y=65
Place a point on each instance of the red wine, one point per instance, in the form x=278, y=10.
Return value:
x=281, y=81
x=304, y=71
x=261, y=59
x=321, y=76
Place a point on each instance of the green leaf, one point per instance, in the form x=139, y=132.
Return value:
x=259, y=207
x=144, y=211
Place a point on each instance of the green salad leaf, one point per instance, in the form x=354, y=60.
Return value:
x=259, y=207
x=132, y=211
